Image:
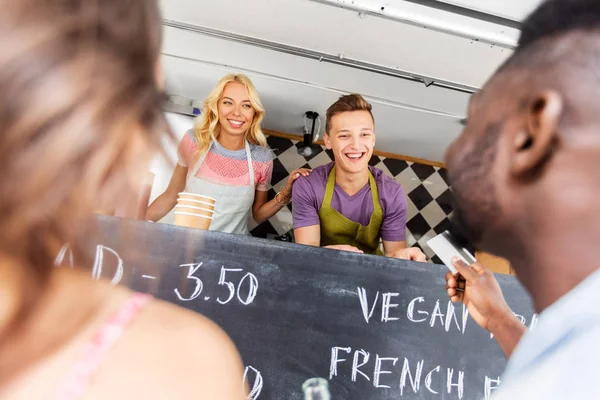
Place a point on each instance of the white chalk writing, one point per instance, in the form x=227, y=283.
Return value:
x=258, y=382
x=429, y=377
x=378, y=371
x=190, y=275
x=437, y=313
x=386, y=305
x=335, y=360
x=450, y=316
x=410, y=375
x=362, y=297
x=61, y=256
x=416, y=382
x=490, y=384
x=253, y=288
x=229, y=285
x=385, y=311
x=459, y=384
x=99, y=262
x=437, y=316
x=248, y=280
x=411, y=309
x=356, y=366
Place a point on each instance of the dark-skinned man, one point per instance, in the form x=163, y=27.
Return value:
x=526, y=178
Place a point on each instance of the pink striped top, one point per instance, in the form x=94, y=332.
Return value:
x=228, y=167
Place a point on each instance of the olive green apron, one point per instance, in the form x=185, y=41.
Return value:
x=337, y=229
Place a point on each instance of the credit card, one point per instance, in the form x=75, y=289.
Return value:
x=446, y=248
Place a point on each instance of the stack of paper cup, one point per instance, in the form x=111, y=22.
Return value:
x=194, y=210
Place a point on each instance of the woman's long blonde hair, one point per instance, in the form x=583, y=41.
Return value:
x=207, y=126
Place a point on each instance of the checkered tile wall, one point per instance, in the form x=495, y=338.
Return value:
x=429, y=197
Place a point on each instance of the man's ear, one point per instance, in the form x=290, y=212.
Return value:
x=532, y=145
x=327, y=140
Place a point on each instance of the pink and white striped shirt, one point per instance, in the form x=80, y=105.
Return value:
x=228, y=167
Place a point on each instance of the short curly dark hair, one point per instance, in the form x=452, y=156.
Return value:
x=558, y=17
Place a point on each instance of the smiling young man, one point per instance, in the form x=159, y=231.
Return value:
x=348, y=205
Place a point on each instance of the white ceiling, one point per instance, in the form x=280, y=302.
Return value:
x=411, y=119
x=513, y=9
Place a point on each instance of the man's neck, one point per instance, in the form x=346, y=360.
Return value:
x=231, y=142
x=556, y=270
x=351, y=183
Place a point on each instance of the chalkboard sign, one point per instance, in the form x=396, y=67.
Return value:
x=375, y=327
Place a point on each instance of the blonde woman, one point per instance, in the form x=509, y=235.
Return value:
x=226, y=157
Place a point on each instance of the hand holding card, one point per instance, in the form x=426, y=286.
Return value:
x=446, y=248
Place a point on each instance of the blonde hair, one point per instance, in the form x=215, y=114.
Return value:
x=207, y=126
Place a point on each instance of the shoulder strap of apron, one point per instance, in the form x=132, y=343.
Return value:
x=329, y=188
x=374, y=193
x=250, y=167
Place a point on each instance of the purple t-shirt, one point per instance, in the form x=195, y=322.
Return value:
x=308, y=193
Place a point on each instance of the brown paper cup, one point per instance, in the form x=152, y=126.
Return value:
x=196, y=197
x=195, y=203
x=194, y=210
x=205, y=212
x=191, y=220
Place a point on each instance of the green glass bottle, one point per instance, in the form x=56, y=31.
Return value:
x=316, y=389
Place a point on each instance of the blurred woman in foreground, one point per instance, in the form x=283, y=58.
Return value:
x=80, y=116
